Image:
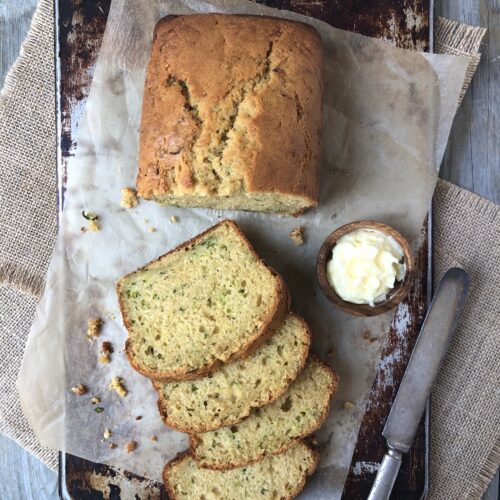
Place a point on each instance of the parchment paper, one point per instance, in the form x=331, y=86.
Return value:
x=387, y=115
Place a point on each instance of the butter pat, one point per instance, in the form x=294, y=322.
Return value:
x=364, y=266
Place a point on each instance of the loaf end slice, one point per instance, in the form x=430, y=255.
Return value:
x=210, y=301
x=276, y=477
x=245, y=136
x=271, y=429
x=229, y=394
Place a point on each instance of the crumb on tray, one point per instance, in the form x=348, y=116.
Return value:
x=152, y=229
x=348, y=405
x=95, y=400
x=331, y=352
x=112, y=446
x=129, y=198
x=117, y=386
x=297, y=236
x=94, y=328
x=79, y=390
x=139, y=417
x=154, y=439
x=131, y=446
x=107, y=433
x=174, y=219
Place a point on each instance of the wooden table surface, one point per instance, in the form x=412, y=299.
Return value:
x=472, y=161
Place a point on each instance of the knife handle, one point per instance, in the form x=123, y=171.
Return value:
x=386, y=475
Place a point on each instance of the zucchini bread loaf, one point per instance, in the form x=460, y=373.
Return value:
x=209, y=301
x=277, y=477
x=231, y=115
x=230, y=393
x=270, y=430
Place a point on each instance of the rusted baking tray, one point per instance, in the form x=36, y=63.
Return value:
x=79, y=29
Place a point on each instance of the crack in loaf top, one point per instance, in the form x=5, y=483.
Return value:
x=232, y=104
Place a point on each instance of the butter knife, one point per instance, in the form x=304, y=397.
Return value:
x=422, y=369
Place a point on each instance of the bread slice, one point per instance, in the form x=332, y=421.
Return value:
x=276, y=477
x=229, y=394
x=274, y=428
x=209, y=301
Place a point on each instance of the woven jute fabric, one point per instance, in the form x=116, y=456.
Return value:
x=461, y=460
x=28, y=210
x=465, y=404
x=461, y=40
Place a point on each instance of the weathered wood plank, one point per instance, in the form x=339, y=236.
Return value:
x=22, y=476
x=472, y=158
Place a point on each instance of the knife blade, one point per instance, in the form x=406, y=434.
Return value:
x=420, y=374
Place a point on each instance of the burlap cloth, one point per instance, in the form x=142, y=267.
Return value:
x=465, y=446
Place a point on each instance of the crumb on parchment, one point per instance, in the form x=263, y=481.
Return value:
x=112, y=446
x=129, y=198
x=348, y=405
x=104, y=358
x=152, y=229
x=94, y=328
x=94, y=226
x=139, y=417
x=297, y=236
x=107, y=433
x=131, y=446
x=117, y=386
x=95, y=400
x=174, y=219
x=79, y=390
x=154, y=439
x=106, y=351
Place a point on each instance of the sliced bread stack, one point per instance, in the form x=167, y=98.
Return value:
x=209, y=324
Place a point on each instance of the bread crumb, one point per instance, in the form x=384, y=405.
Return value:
x=131, y=446
x=139, y=417
x=95, y=400
x=174, y=219
x=112, y=446
x=106, y=351
x=117, y=386
x=129, y=198
x=154, y=439
x=94, y=226
x=92, y=219
x=94, y=328
x=104, y=358
x=348, y=405
x=297, y=236
x=79, y=390
x=107, y=433
x=152, y=229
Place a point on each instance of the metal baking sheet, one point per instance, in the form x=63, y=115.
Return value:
x=79, y=30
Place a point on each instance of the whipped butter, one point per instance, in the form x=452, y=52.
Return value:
x=364, y=266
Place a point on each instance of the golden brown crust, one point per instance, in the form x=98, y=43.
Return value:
x=207, y=428
x=194, y=441
x=186, y=454
x=266, y=92
x=269, y=325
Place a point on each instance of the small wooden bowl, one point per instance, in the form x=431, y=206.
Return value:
x=395, y=296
